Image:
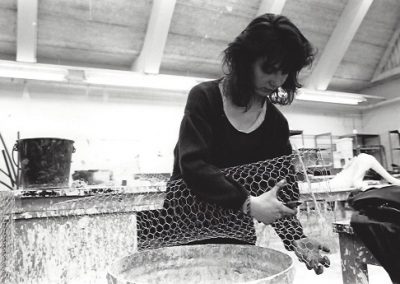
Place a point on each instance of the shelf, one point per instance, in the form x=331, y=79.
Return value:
x=378, y=148
x=298, y=135
x=368, y=142
x=312, y=149
x=295, y=132
x=360, y=135
x=364, y=140
x=324, y=143
x=319, y=166
x=394, y=145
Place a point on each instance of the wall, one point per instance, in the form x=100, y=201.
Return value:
x=319, y=118
x=122, y=130
x=112, y=129
x=385, y=117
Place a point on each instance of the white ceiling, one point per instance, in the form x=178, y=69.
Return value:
x=358, y=41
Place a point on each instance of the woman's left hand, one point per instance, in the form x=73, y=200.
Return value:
x=309, y=251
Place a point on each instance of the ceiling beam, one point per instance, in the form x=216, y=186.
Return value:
x=271, y=6
x=389, y=74
x=338, y=43
x=389, y=65
x=27, y=11
x=149, y=60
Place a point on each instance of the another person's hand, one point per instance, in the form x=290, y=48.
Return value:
x=266, y=208
x=309, y=251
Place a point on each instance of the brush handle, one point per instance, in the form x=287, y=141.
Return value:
x=8, y=167
x=8, y=156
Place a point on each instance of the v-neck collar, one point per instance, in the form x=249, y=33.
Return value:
x=225, y=104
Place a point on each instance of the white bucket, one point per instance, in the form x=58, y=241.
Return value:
x=345, y=146
x=344, y=152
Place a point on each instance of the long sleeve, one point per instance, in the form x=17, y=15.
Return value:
x=193, y=148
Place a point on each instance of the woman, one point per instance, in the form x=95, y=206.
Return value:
x=233, y=121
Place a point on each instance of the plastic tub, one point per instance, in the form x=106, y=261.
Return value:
x=204, y=264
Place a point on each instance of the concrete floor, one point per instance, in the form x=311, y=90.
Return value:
x=333, y=274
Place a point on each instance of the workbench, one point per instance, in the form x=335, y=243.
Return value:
x=72, y=238
x=90, y=226
x=354, y=255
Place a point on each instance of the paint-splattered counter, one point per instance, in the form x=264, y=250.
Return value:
x=354, y=255
x=73, y=239
x=41, y=207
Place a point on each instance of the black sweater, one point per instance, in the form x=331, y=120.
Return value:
x=208, y=142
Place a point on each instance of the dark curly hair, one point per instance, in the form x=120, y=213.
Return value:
x=277, y=40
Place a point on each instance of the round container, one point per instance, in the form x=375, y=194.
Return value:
x=45, y=162
x=211, y=263
x=93, y=177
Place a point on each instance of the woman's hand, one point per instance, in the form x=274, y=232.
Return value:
x=308, y=251
x=266, y=208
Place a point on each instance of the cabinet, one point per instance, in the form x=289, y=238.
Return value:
x=318, y=158
x=394, y=145
x=369, y=144
x=324, y=143
x=298, y=134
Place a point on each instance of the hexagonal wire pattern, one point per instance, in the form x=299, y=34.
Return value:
x=82, y=237
x=185, y=219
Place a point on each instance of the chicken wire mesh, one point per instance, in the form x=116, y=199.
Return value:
x=76, y=240
x=185, y=218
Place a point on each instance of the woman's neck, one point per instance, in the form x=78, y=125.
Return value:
x=256, y=102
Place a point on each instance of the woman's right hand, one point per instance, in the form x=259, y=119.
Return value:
x=266, y=208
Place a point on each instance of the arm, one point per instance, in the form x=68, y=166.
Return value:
x=193, y=154
x=289, y=229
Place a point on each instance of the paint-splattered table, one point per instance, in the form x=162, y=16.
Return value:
x=355, y=256
x=73, y=239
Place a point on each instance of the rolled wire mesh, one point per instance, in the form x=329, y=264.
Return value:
x=185, y=218
x=76, y=240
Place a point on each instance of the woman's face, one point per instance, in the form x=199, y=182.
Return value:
x=267, y=79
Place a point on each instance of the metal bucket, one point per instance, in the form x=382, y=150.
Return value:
x=45, y=162
x=204, y=264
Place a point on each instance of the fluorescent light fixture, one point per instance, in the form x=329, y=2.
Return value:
x=35, y=71
x=141, y=80
x=330, y=97
x=9, y=69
